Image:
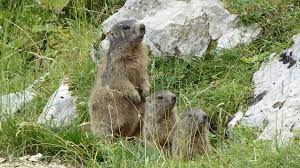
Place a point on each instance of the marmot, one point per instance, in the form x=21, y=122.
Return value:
x=160, y=119
x=191, y=136
x=118, y=98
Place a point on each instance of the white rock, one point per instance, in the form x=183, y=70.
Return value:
x=24, y=158
x=12, y=102
x=61, y=107
x=183, y=28
x=276, y=106
x=35, y=158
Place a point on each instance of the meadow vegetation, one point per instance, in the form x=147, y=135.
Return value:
x=35, y=41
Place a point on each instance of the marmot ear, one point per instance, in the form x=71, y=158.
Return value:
x=103, y=36
x=109, y=35
x=148, y=99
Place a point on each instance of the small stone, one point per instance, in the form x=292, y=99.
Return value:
x=35, y=158
x=61, y=107
x=58, y=161
x=2, y=160
x=24, y=158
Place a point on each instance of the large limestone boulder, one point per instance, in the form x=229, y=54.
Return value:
x=183, y=28
x=276, y=105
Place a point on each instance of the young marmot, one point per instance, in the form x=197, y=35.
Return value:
x=118, y=98
x=160, y=119
x=191, y=135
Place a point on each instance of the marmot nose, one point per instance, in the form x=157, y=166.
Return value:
x=174, y=98
x=142, y=27
x=205, y=118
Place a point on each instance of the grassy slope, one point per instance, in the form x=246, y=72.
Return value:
x=218, y=84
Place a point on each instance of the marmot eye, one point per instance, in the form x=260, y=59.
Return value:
x=125, y=27
x=160, y=97
x=190, y=115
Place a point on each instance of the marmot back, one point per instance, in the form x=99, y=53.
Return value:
x=192, y=134
x=117, y=99
x=160, y=119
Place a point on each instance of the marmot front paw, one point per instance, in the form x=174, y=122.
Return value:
x=144, y=93
x=134, y=97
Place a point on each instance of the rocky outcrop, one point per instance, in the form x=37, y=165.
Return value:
x=276, y=105
x=184, y=28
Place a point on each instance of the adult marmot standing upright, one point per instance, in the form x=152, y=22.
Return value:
x=191, y=135
x=160, y=119
x=118, y=98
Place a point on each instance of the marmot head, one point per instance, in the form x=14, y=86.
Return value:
x=162, y=102
x=195, y=119
x=126, y=32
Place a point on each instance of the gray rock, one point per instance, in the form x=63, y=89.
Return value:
x=236, y=36
x=276, y=106
x=12, y=102
x=183, y=28
x=60, y=108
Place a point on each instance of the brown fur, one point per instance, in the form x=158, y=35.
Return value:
x=117, y=99
x=160, y=119
x=191, y=137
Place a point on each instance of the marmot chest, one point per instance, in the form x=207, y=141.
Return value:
x=135, y=70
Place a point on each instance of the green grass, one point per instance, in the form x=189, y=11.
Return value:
x=35, y=41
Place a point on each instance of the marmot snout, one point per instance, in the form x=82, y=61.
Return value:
x=129, y=30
